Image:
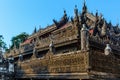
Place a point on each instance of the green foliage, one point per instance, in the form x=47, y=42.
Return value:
x=16, y=40
x=2, y=43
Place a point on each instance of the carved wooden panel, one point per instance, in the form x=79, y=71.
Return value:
x=102, y=63
x=68, y=63
x=61, y=63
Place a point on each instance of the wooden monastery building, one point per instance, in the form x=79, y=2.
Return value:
x=84, y=47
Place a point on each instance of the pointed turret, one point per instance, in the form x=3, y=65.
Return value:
x=96, y=13
x=84, y=9
x=35, y=30
x=62, y=21
x=104, y=29
x=76, y=18
x=76, y=12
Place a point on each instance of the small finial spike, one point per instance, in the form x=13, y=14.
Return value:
x=35, y=30
x=96, y=13
x=75, y=6
x=84, y=7
x=84, y=2
x=76, y=11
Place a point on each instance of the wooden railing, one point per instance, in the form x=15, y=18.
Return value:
x=101, y=62
x=98, y=40
x=65, y=39
x=103, y=43
x=61, y=63
x=58, y=38
x=28, y=48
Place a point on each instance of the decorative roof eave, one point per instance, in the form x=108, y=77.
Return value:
x=91, y=17
x=44, y=31
x=63, y=27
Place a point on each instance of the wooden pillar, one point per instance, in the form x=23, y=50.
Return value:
x=84, y=38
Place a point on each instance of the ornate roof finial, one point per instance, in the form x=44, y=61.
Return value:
x=65, y=12
x=84, y=2
x=65, y=15
x=75, y=6
x=40, y=28
x=76, y=10
x=35, y=30
x=96, y=13
x=84, y=10
x=104, y=29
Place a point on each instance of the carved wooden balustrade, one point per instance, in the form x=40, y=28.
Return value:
x=102, y=63
x=116, y=47
x=65, y=39
x=74, y=62
x=97, y=39
x=102, y=43
x=44, y=42
x=13, y=52
x=28, y=47
x=58, y=37
x=16, y=52
x=47, y=29
x=65, y=35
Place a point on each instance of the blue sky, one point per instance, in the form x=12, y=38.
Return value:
x=18, y=16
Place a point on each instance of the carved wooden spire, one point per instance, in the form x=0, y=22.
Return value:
x=76, y=11
x=62, y=21
x=35, y=30
x=84, y=9
x=104, y=29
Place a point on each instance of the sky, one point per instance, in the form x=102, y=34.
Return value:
x=17, y=16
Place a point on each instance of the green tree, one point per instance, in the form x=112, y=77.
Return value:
x=2, y=43
x=16, y=40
